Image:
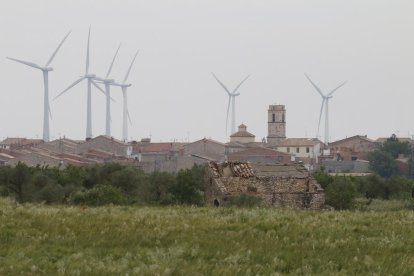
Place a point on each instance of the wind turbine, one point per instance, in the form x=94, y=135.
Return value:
x=90, y=78
x=46, y=105
x=108, y=82
x=232, y=100
x=325, y=100
x=125, y=113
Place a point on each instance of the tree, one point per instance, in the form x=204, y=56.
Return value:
x=160, y=183
x=340, y=194
x=323, y=178
x=188, y=186
x=19, y=178
x=395, y=147
x=382, y=163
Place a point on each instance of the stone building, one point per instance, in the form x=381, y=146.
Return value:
x=62, y=145
x=19, y=143
x=352, y=148
x=305, y=150
x=260, y=155
x=276, y=124
x=280, y=185
x=242, y=136
x=205, y=148
x=105, y=143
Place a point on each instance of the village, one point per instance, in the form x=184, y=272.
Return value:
x=348, y=155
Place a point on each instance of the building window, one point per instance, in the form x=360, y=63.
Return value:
x=307, y=150
x=283, y=117
x=273, y=117
x=297, y=150
x=288, y=149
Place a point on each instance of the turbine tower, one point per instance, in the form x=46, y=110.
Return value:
x=90, y=78
x=325, y=100
x=46, y=105
x=232, y=101
x=125, y=112
x=108, y=82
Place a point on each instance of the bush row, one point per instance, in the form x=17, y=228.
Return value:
x=101, y=184
x=341, y=191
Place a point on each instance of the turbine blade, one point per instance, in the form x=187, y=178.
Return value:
x=112, y=63
x=97, y=86
x=320, y=117
x=57, y=49
x=315, y=86
x=50, y=112
x=129, y=117
x=222, y=85
x=31, y=64
x=227, y=116
x=87, y=52
x=69, y=87
x=336, y=88
x=238, y=86
x=129, y=69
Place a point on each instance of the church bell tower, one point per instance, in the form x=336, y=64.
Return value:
x=276, y=124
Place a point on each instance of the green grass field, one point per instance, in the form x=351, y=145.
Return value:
x=112, y=240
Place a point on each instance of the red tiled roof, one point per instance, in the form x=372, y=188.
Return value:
x=21, y=141
x=292, y=142
x=242, y=134
x=361, y=137
x=207, y=140
x=258, y=152
x=11, y=141
x=156, y=147
x=112, y=139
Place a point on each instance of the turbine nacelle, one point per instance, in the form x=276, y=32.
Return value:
x=90, y=76
x=47, y=69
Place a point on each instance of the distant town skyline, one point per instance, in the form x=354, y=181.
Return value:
x=173, y=95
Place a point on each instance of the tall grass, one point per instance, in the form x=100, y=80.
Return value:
x=128, y=240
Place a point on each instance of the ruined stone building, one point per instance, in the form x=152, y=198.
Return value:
x=280, y=185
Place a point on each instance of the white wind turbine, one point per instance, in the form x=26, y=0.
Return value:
x=125, y=112
x=108, y=82
x=46, y=105
x=325, y=100
x=90, y=78
x=232, y=101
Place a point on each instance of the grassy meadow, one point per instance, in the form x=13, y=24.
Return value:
x=38, y=239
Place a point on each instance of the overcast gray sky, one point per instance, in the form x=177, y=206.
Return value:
x=370, y=43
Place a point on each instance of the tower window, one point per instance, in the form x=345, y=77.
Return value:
x=273, y=117
x=283, y=117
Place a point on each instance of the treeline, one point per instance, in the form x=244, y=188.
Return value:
x=383, y=160
x=101, y=184
x=341, y=191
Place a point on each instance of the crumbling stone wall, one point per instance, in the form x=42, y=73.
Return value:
x=281, y=185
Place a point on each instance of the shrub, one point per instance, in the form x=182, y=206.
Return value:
x=340, y=194
x=100, y=195
x=187, y=188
